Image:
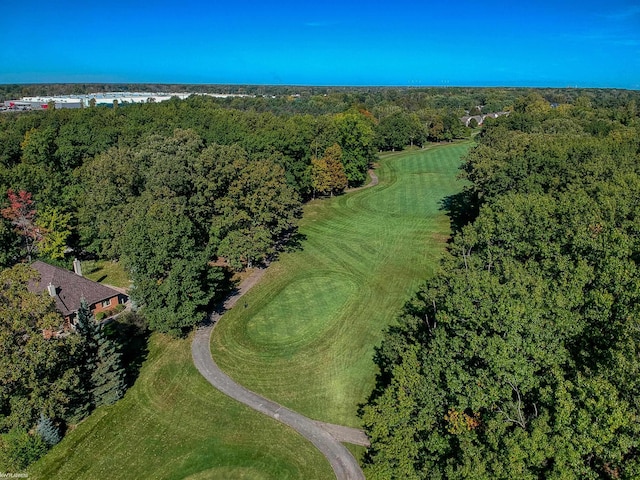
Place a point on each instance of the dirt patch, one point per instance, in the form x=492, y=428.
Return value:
x=440, y=237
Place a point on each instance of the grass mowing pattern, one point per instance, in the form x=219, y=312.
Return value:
x=306, y=334
x=173, y=425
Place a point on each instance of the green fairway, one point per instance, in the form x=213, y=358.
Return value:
x=174, y=425
x=306, y=334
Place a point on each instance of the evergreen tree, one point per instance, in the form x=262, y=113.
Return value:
x=85, y=324
x=48, y=431
x=108, y=378
x=86, y=353
x=99, y=365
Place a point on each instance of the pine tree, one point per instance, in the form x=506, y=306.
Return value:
x=86, y=354
x=100, y=366
x=85, y=324
x=108, y=379
x=48, y=431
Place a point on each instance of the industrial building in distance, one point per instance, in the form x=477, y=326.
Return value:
x=92, y=99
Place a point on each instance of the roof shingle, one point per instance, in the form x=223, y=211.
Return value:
x=70, y=287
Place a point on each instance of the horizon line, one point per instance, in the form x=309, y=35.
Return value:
x=337, y=85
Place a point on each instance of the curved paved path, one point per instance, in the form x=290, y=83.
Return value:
x=374, y=179
x=326, y=437
x=372, y=183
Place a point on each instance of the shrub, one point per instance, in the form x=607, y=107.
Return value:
x=135, y=321
x=18, y=449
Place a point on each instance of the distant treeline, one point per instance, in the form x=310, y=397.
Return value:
x=520, y=358
x=311, y=97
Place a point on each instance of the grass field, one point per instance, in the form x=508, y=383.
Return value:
x=306, y=333
x=105, y=271
x=173, y=425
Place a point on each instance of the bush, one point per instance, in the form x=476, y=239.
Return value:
x=100, y=316
x=18, y=449
x=135, y=322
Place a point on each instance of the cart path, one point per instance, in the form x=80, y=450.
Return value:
x=326, y=437
x=374, y=179
x=372, y=183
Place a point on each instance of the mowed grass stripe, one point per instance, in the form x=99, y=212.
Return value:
x=382, y=242
x=173, y=425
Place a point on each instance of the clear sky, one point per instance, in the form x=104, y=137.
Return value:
x=588, y=43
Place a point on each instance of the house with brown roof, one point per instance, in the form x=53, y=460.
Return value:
x=69, y=288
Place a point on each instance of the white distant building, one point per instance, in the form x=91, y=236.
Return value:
x=130, y=97
x=108, y=98
x=38, y=103
x=80, y=101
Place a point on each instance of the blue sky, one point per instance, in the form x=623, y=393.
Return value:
x=378, y=42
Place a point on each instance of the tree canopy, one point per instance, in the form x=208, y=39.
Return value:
x=36, y=373
x=518, y=359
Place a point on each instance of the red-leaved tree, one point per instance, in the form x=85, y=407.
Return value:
x=21, y=213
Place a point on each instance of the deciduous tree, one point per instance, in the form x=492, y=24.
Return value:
x=172, y=281
x=22, y=213
x=255, y=207
x=356, y=137
x=328, y=176
x=517, y=360
x=54, y=228
x=36, y=375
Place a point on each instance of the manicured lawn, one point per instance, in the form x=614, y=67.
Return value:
x=307, y=334
x=105, y=271
x=173, y=425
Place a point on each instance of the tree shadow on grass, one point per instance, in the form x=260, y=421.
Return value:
x=227, y=288
x=462, y=208
x=293, y=242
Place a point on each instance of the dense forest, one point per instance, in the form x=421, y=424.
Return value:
x=520, y=358
x=527, y=333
